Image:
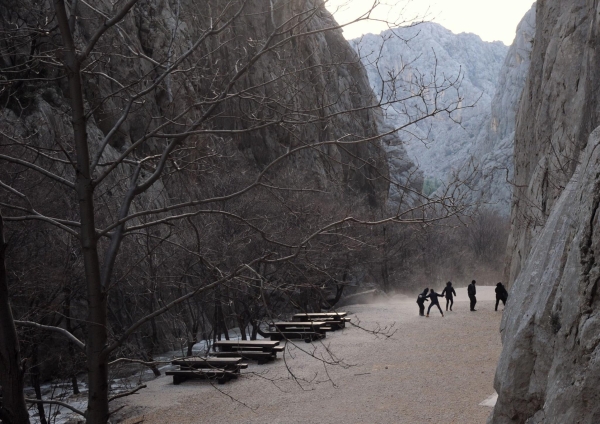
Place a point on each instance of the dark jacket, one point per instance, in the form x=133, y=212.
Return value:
x=471, y=290
x=433, y=296
x=422, y=298
x=448, y=291
x=501, y=292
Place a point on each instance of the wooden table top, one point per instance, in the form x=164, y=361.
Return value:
x=203, y=360
x=300, y=324
x=322, y=314
x=249, y=343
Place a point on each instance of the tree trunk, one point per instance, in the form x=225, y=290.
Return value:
x=35, y=382
x=97, y=361
x=67, y=313
x=13, y=409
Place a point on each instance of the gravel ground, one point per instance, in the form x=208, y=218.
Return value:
x=431, y=370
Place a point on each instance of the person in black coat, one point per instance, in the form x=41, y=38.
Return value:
x=421, y=299
x=472, y=292
x=449, y=292
x=434, y=301
x=501, y=295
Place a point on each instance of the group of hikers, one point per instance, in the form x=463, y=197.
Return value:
x=449, y=293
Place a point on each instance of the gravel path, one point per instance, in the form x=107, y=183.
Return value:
x=431, y=370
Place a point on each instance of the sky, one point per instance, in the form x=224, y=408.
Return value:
x=490, y=19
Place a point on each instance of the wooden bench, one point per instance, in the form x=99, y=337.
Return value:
x=259, y=356
x=194, y=362
x=307, y=336
x=301, y=327
x=222, y=376
x=262, y=351
x=246, y=345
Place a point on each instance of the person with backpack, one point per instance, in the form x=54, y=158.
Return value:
x=449, y=292
x=501, y=295
x=421, y=299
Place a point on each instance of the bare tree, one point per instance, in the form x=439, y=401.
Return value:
x=153, y=174
x=12, y=406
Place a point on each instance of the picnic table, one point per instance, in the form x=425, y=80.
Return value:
x=307, y=331
x=335, y=320
x=234, y=345
x=262, y=351
x=308, y=316
x=316, y=326
x=220, y=369
x=195, y=362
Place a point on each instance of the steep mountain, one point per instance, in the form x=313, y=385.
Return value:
x=489, y=164
x=460, y=69
x=549, y=370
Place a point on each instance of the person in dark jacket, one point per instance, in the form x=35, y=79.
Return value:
x=501, y=295
x=434, y=301
x=449, y=292
x=421, y=299
x=472, y=292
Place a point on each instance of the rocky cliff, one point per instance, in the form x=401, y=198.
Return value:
x=426, y=53
x=549, y=370
x=317, y=75
x=489, y=163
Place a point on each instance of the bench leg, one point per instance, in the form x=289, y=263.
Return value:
x=178, y=379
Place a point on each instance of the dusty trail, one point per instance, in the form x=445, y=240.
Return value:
x=431, y=370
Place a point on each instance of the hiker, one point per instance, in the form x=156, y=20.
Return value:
x=450, y=293
x=421, y=299
x=501, y=295
x=472, y=291
x=434, y=301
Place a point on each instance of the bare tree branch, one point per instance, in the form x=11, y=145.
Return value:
x=57, y=402
x=59, y=330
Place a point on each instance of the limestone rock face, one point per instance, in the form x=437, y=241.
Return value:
x=549, y=370
x=558, y=110
x=154, y=30
x=417, y=56
x=489, y=164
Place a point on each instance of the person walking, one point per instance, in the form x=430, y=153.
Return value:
x=472, y=291
x=434, y=301
x=501, y=295
x=449, y=292
x=421, y=299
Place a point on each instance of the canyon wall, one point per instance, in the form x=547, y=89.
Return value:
x=549, y=370
x=402, y=61
x=489, y=164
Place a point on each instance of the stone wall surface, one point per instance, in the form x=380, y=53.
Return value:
x=558, y=111
x=549, y=368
